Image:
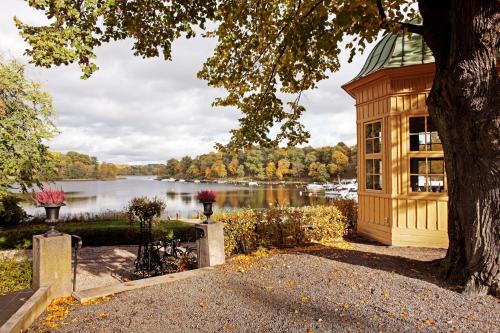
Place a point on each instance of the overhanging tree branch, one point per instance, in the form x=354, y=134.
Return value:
x=417, y=29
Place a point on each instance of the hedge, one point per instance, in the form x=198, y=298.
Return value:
x=247, y=229
x=100, y=233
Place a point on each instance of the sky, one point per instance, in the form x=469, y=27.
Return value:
x=136, y=110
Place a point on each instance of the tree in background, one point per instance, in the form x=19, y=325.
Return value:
x=185, y=163
x=25, y=125
x=254, y=164
x=233, y=166
x=173, y=167
x=219, y=169
x=270, y=170
x=318, y=172
x=339, y=162
x=283, y=168
x=107, y=171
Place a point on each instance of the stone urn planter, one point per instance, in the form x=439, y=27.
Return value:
x=207, y=198
x=52, y=219
x=52, y=201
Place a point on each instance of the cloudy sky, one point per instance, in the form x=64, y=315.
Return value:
x=136, y=110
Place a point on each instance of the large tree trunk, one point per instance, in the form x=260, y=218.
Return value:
x=464, y=104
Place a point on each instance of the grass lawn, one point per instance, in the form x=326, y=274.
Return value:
x=15, y=274
x=94, y=233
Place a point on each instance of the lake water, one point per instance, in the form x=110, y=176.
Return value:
x=92, y=197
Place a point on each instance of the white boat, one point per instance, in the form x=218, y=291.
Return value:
x=196, y=181
x=352, y=194
x=252, y=183
x=182, y=180
x=168, y=180
x=315, y=187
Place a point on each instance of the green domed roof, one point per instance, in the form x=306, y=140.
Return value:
x=396, y=50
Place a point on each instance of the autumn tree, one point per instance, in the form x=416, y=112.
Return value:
x=185, y=163
x=268, y=51
x=193, y=171
x=318, y=172
x=107, y=171
x=218, y=169
x=270, y=170
x=283, y=168
x=172, y=168
x=233, y=166
x=339, y=162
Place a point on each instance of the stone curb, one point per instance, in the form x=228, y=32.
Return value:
x=86, y=295
x=28, y=312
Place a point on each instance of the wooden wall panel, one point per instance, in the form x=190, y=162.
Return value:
x=421, y=212
x=432, y=212
x=442, y=215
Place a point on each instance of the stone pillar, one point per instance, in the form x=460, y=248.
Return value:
x=211, y=246
x=52, y=264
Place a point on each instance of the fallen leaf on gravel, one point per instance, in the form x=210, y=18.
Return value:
x=98, y=300
x=386, y=293
x=229, y=326
x=429, y=322
x=310, y=330
x=57, y=311
x=305, y=299
x=101, y=314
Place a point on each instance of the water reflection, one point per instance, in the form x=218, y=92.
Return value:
x=100, y=196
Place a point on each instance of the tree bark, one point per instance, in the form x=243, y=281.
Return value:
x=464, y=105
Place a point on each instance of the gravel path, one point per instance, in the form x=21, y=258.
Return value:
x=317, y=289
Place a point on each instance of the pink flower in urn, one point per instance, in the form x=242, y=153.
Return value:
x=206, y=196
x=49, y=197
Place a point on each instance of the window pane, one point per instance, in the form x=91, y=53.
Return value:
x=436, y=142
x=369, y=131
x=436, y=184
x=376, y=145
x=417, y=165
x=376, y=130
x=377, y=182
x=369, y=166
x=369, y=146
x=423, y=140
x=430, y=125
x=377, y=166
x=414, y=143
x=369, y=182
x=417, y=183
x=417, y=124
x=436, y=166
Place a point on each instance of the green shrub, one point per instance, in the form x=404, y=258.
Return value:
x=11, y=213
x=246, y=230
x=239, y=230
x=15, y=274
x=326, y=223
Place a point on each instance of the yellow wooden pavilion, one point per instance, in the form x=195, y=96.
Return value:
x=402, y=188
